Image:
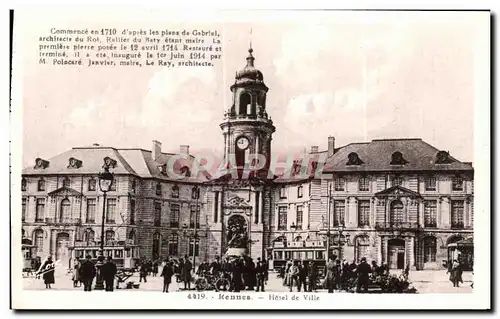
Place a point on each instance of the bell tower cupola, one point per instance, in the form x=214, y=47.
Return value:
x=247, y=128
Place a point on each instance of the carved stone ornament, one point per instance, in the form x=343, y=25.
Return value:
x=237, y=202
x=41, y=163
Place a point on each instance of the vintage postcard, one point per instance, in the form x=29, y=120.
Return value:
x=250, y=159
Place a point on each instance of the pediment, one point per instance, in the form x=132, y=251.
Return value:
x=65, y=191
x=397, y=191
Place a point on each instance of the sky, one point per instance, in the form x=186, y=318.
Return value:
x=354, y=79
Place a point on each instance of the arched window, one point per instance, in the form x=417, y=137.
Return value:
x=38, y=237
x=175, y=191
x=195, y=193
x=194, y=247
x=92, y=184
x=173, y=245
x=89, y=236
x=429, y=249
x=110, y=237
x=156, y=245
x=65, y=215
x=41, y=185
x=396, y=214
x=245, y=104
x=131, y=237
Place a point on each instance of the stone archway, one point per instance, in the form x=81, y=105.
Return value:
x=62, y=250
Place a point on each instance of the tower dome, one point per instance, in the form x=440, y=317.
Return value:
x=249, y=74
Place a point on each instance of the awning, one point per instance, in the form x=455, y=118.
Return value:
x=468, y=242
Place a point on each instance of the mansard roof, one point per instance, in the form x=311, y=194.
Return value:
x=138, y=162
x=378, y=154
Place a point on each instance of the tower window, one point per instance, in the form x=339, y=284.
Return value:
x=245, y=103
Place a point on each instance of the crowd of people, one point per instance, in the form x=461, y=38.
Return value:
x=304, y=275
x=242, y=273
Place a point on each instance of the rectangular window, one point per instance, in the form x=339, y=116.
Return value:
x=194, y=245
x=282, y=218
x=174, y=215
x=397, y=181
x=173, y=245
x=157, y=216
x=283, y=192
x=132, y=212
x=194, y=215
x=23, y=210
x=457, y=214
x=363, y=213
x=114, y=185
x=339, y=184
x=300, y=191
x=430, y=213
x=111, y=210
x=430, y=183
x=91, y=207
x=92, y=185
x=40, y=209
x=457, y=184
x=429, y=249
x=338, y=212
x=300, y=217
x=364, y=184
x=41, y=185
x=158, y=189
x=118, y=253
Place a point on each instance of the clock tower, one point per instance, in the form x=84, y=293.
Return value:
x=247, y=128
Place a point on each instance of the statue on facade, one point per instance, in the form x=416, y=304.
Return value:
x=237, y=234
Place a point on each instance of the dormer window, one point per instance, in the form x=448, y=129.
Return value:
x=443, y=157
x=66, y=182
x=41, y=185
x=109, y=162
x=92, y=184
x=74, y=163
x=397, y=159
x=41, y=163
x=23, y=185
x=353, y=159
x=163, y=169
x=175, y=191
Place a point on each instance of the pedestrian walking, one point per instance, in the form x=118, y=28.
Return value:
x=302, y=276
x=167, y=273
x=456, y=273
x=293, y=275
x=363, y=271
x=186, y=273
x=312, y=276
x=155, y=268
x=87, y=273
x=76, y=273
x=236, y=279
x=261, y=272
x=143, y=272
x=108, y=272
x=330, y=275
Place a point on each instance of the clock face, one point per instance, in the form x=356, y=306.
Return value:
x=243, y=143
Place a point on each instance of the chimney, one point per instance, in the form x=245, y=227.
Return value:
x=184, y=149
x=156, y=150
x=95, y=144
x=314, y=149
x=331, y=145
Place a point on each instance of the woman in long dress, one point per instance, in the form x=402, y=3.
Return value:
x=48, y=269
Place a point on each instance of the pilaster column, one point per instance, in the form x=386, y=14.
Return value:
x=439, y=217
x=411, y=246
x=215, y=207
x=261, y=208
x=379, y=250
x=254, y=212
x=385, y=244
x=421, y=213
x=466, y=213
x=219, y=209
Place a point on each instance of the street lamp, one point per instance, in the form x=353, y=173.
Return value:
x=106, y=179
x=184, y=233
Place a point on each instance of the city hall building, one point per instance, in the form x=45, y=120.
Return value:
x=398, y=201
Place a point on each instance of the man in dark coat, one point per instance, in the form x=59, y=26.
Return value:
x=363, y=270
x=302, y=276
x=108, y=272
x=237, y=269
x=143, y=272
x=87, y=273
x=186, y=273
x=215, y=266
x=167, y=273
x=261, y=272
x=312, y=276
